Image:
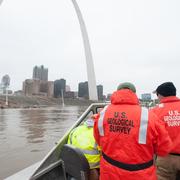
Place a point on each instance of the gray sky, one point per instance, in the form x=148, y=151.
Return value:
x=131, y=40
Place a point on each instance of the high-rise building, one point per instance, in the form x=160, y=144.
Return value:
x=40, y=73
x=35, y=87
x=59, y=86
x=100, y=92
x=83, y=90
x=50, y=90
x=31, y=87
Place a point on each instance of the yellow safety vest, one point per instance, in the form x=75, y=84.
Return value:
x=82, y=138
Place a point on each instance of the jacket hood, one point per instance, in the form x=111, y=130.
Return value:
x=124, y=96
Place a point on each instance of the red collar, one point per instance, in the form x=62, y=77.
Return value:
x=169, y=99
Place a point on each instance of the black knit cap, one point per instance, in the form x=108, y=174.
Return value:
x=166, y=89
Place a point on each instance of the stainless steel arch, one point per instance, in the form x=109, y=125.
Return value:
x=88, y=54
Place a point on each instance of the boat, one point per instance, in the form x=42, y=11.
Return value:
x=63, y=161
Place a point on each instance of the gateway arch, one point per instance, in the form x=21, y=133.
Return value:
x=89, y=61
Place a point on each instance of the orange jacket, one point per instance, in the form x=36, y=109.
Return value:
x=169, y=112
x=117, y=131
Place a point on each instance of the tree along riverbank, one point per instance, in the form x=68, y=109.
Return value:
x=38, y=101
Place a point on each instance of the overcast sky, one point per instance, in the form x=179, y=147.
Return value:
x=131, y=40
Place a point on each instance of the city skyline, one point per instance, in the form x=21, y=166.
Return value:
x=68, y=85
x=39, y=85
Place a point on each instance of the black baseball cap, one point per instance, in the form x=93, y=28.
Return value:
x=166, y=89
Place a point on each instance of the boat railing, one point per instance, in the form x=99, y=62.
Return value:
x=53, y=157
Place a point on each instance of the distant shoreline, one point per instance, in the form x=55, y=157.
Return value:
x=21, y=101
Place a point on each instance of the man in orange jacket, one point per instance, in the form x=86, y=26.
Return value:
x=169, y=111
x=129, y=136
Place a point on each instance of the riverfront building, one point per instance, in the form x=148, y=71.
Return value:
x=40, y=73
x=83, y=91
x=59, y=87
x=37, y=87
x=100, y=92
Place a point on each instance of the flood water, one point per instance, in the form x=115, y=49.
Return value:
x=27, y=135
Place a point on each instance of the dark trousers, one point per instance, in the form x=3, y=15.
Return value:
x=168, y=167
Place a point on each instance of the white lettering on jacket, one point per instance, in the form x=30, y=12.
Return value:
x=173, y=118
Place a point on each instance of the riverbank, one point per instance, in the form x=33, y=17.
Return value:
x=38, y=101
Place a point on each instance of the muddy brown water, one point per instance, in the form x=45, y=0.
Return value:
x=27, y=135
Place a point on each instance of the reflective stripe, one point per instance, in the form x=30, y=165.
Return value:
x=161, y=105
x=100, y=121
x=90, y=152
x=93, y=165
x=143, y=126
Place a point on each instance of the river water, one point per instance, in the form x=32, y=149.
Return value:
x=27, y=135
